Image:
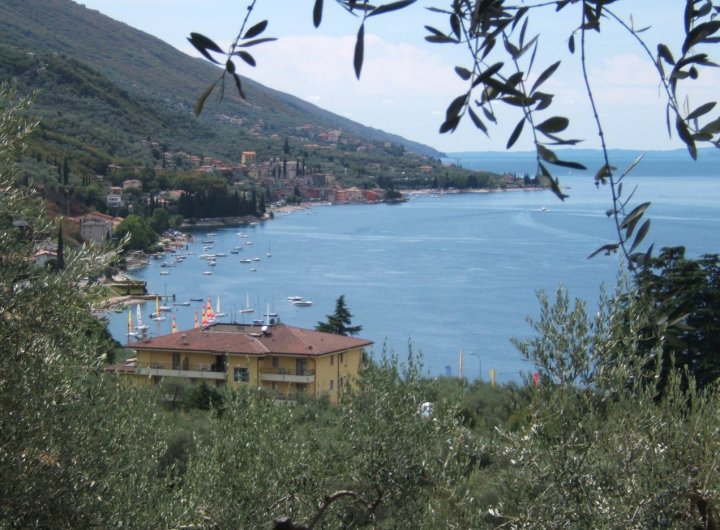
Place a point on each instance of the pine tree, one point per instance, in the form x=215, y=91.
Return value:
x=339, y=322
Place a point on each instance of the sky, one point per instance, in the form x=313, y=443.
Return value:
x=407, y=83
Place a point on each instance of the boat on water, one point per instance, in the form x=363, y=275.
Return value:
x=164, y=273
x=247, y=308
x=218, y=312
x=131, y=329
x=256, y=259
x=302, y=303
x=220, y=254
x=140, y=325
x=196, y=299
x=207, y=273
x=294, y=298
x=253, y=269
x=246, y=260
x=157, y=315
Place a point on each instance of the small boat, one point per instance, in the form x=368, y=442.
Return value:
x=253, y=269
x=294, y=298
x=234, y=251
x=164, y=273
x=156, y=315
x=196, y=299
x=247, y=308
x=207, y=273
x=248, y=242
x=302, y=303
x=218, y=312
x=140, y=325
x=245, y=260
x=256, y=259
x=220, y=255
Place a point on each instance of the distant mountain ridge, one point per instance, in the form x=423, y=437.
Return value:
x=152, y=74
x=653, y=163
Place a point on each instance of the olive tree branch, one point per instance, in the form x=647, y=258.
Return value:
x=607, y=170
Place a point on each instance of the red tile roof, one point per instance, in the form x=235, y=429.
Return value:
x=244, y=339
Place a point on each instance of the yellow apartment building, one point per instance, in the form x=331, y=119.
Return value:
x=284, y=360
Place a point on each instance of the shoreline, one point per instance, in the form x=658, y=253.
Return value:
x=113, y=302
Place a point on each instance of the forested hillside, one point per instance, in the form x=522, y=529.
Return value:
x=103, y=86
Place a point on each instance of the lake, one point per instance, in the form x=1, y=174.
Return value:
x=457, y=271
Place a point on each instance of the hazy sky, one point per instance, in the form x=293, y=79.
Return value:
x=407, y=83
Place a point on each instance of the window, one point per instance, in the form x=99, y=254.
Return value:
x=176, y=361
x=341, y=358
x=332, y=360
x=276, y=362
x=301, y=366
x=332, y=384
x=241, y=375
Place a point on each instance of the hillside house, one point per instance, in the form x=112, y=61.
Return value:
x=283, y=360
x=95, y=227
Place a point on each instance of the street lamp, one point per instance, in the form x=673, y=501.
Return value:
x=479, y=365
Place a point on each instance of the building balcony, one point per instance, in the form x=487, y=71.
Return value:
x=284, y=375
x=193, y=371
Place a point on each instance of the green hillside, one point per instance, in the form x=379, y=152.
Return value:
x=106, y=84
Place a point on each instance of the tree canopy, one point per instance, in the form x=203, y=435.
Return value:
x=339, y=322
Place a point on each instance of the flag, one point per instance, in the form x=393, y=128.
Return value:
x=174, y=325
x=197, y=324
x=205, y=320
x=536, y=379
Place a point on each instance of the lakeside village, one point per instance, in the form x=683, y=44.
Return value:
x=202, y=191
x=282, y=360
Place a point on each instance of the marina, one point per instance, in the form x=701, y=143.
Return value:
x=434, y=275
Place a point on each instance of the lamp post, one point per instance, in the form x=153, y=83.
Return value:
x=479, y=365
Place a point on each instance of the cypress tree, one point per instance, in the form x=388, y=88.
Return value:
x=60, y=259
x=66, y=172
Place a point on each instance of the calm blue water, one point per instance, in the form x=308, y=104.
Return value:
x=452, y=272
